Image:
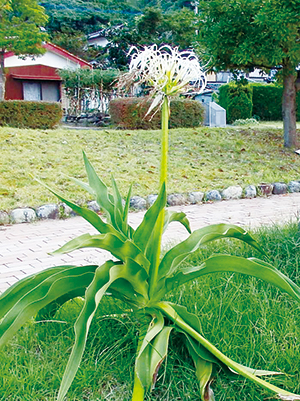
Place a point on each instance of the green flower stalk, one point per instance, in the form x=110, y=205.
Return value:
x=139, y=274
x=169, y=73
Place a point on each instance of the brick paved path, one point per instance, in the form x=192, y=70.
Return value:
x=24, y=248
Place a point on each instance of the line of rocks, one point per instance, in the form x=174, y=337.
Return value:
x=56, y=211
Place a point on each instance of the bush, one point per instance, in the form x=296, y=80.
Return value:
x=267, y=102
x=22, y=114
x=130, y=113
x=236, y=98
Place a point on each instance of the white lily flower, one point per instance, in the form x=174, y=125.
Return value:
x=167, y=70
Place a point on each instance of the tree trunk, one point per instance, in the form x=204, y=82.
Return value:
x=2, y=75
x=289, y=106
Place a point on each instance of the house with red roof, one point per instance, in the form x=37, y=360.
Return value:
x=36, y=78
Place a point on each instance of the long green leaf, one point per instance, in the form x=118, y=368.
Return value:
x=126, y=227
x=49, y=311
x=120, y=249
x=200, y=237
x=102, y=196
x=180, y=217
x=118, y=206
x=50, y=289
x=15, y=292
x=143, y=359
x=87, y=214
x=159, y=352
x=204, y=371
x=227, y=263
x=105, y=275
x=181, y=321
x=201, y=352
x=95, y=291
x=142, y=235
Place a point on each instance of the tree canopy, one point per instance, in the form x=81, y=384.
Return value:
x=20, y=22
x=243, y=34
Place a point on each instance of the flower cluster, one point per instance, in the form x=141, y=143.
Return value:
x=166, y=70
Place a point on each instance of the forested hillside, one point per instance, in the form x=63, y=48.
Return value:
x=124, y=23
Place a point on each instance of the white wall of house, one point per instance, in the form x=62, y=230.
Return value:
x=49, y=59
x=100, y=41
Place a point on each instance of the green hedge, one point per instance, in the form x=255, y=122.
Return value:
x=23, y=114
x=129, y=113
x=237, y=100
x=267, y=102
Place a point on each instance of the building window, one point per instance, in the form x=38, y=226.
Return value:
x=47, y=91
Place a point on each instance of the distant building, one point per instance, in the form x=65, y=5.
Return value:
x=35, y=77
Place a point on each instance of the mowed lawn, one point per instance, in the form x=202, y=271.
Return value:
x=200, y=159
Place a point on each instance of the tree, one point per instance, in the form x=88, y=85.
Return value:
x=20, y=22
x=176, y=28
x=243, y=34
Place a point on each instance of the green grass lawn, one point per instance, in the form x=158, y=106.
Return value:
x=250, y=321
x=200, y=159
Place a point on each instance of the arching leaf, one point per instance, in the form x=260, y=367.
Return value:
x=48, y=290
x=227, y=263
x=200, y=237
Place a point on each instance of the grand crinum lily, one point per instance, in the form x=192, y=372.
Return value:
x=140, y=274
x=168, y=72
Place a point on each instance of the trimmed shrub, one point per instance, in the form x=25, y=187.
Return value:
x=23, y=114
x=267, y=102
x=236, y=98
x=129, y=113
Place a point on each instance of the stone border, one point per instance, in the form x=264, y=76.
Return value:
x=56, y=211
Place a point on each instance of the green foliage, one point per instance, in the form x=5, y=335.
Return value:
x=21, y=114
x=268, y=322
x=237, y=100
x=241, y=35
x=267, y=102
x=85, y=16
x=131, y=277
x=20, y=24
x=246, y=34
x=130, y=113
x=82, y=78
x=175, y=28
x=247, y=121
x=83, y=85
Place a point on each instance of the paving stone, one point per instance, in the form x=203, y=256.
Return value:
x=265, y=189
x=294, y=186
x=279, y=188
x=195, y=197
x=49, y=211
x=93, y=205
x=233, y=192
x=138, y=203
x=66, y=211
x=250, y=192
x=22, y=215
x=4, y=218
x=213, y=195
x=176, y=199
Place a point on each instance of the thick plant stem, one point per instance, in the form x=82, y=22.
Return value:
x=138, y=390
x=172, y=314
x=163, y=179
x=164, y=141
